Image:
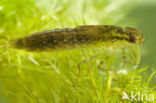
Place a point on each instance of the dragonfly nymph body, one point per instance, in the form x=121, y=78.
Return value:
x=77, y=37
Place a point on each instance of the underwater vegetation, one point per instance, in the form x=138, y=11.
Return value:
x=108, y=56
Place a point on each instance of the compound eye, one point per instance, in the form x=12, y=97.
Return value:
x=132, y=39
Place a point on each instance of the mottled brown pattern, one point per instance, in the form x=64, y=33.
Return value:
x=73, y=37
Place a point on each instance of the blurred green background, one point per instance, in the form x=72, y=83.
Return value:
x=27, y=77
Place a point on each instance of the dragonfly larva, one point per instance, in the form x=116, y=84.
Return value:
x=77, y=37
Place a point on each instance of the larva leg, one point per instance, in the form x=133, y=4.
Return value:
x=132, y=58
x=86, y=61
x=103, y=62
x=123, y=55
x=105, y=69
x=135, y=56
x=138, y=57
x=79, y=64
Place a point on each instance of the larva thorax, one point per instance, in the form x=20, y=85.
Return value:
x=74, y=37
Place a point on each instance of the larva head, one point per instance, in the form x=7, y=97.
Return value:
x=134, y=35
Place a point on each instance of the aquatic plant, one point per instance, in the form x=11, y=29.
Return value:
x=53, y=77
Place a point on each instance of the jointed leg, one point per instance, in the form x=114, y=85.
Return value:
x=87, y=59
